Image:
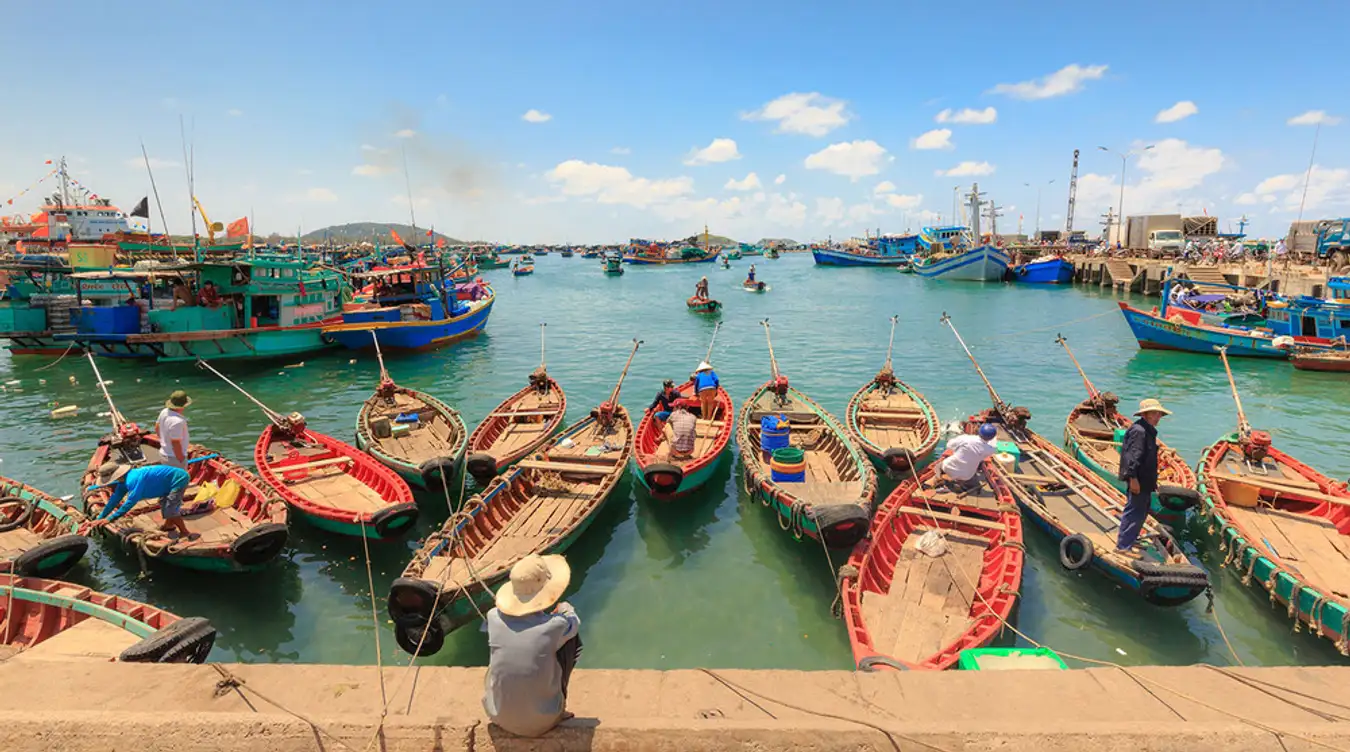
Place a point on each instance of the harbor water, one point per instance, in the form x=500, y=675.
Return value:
x=709, y=580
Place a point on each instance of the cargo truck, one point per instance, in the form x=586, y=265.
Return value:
x=1158, y=233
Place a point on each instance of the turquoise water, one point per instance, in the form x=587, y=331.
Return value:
x=710, y=580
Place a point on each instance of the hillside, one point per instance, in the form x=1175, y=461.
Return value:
x=780, y=241
x=358, y=232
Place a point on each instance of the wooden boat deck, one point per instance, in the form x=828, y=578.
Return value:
x=1096, y=437
x=527, y=419
x=431, y=437
x=327, y=486
x=832, y=476
x=705, y=441
x=90, y=639
x=16, y=541
x=216, y=526
x=892, y=419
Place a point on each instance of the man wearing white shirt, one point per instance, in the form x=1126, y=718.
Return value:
x=966, y=452
x=172, y=429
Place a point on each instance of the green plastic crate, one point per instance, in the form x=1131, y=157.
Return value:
x=1042, y=659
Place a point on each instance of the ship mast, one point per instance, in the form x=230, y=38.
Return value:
x=1073, y=195
x=65, y=184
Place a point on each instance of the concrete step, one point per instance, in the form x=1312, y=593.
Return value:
x=1205, y=274
x=1120, y=271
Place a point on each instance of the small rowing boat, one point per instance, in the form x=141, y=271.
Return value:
x=1093, y=433
x=522, y=269
x=518, y=426
x=1305, y=359
x=703, y=305
x=939, y=573
x=754, y=286
x=1283, y=526
x=831, y=497
x=1081, y=511
x=667, y=476
x=613, y=265
x=892, y=421
x=541, y=506
x=418, y=436
x=39, y=533
x=328, y=483
x=49, y=619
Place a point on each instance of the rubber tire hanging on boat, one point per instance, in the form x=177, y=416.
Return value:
x=409, y=632
x=1085, y=551
x=30, y=562
x=899, y=461
x=394, y=521
x=437, y=471
x=869, y=663
x=1149, y=586
x=410, y=597
x=482, y=467
x=22, y=519
x=663, y=478
x=1177, y=498
x=830, y=517
x=259, y=544
x=185, y=641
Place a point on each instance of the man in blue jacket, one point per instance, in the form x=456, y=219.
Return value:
x=132, y=485
x=1139, y=470
x=705, y=386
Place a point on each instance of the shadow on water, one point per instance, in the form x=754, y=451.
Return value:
x=674, y=531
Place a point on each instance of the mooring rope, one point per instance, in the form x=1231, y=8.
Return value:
x=374, y=619
x=70, y=347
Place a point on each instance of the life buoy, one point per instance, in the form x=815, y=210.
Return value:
x=1075, y=551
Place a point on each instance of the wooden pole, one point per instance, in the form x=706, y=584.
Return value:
x=614, y=398
x=891, y=346
x=543, y=362
x=1243, y=426
x=773, y=362
x=708, y=358
x=999, y=404
x=271, y=414
x=384, y=374
x=1092, y=390
x=117, y=419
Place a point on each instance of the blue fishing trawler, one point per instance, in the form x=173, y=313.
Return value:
x=885, y=250
x=413, y=308
x=957, y=254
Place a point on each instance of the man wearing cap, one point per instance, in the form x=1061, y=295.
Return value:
x=172, y=429
x=965, y=453
x=533, y=648
x=1139, y=470
x=664, y=402
x=131, y=485
x=705, y=386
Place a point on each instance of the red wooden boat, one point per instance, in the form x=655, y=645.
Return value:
x=666, y=478
x=908, y=610
x=518, y=426
x=61, y=620
x=333, y=485
x=1337, y=361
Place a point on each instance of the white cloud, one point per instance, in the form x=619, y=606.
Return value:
x=234, y=113
x=1313, y=117
x=853, y=159
x=405, y=133
x=925, y=216
x=621, y=150
x=370, y=170
x=785, y=211
x=968, y=168
x=938, y=138
x=829, y=210
x=1179, y=111
x=138, y=163
x=904, y=201
x=720, y=150
x=535, y=116
x=884, y=186
x=609, y=184
x=1167, y=174
x=315, y=195
x=1326, y=188
x=368, y=147
x=968, y=116
x=812, y=114
x=863, y=212
x=780, y=180
x=1247, y=199
x=1066, y=80
x=750, y=183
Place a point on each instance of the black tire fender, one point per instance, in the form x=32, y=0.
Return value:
x=22, y=519
x=1194, y=586
x=1177, y=498
x=898, y=460
x=259, y=544
x=51, y=558
x=411, y=598
x=841, y=526
x=869, y=663
x=185, y=641
x=394, y=521
x=1075, y=551
x=420, y=637
x=663, y=477
x=437, y=471
x=482, y=467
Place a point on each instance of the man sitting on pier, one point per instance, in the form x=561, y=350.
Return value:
x=960, y=471
x=533, y=646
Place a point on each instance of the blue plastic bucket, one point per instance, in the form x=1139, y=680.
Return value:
x=780, y=477
x=773, y=433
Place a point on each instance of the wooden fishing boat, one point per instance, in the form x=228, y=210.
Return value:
x=1284, y=527
x=906, y=609
x=757, y=286
x=540, y=506
x=1091, y=436
x=39, y=533
x=241, y=525
x=613, y=265
x=518, y=426
x=520, y=270
x=892, y=421
x=667, y=477
x=834, y=502
x=1081, y=511
x=49, y=619
x=1337, y=361
x=704, y=305
x=418, y=436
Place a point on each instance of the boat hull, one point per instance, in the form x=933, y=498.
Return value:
x=915, y=458
x=836, y=257
x=983, y=264
x=1329, y=363
x=693, y=473
x=1055, y=271
x=61, y=547
x=708, y=305
x=1156, y=333
x=653, y=261
x=412, y=335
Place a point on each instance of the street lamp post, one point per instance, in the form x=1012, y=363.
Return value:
x=1038, y=203
x=1120, y=208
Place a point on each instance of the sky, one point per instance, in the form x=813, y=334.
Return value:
x=600, y=121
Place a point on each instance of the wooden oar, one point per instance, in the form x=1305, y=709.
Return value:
x=1244, y=427
x=1092, y=390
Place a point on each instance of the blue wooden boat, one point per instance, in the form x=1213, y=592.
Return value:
x=420, y=324
x=1048, y=271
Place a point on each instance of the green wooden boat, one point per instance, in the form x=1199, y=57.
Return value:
x=416, y=435
x=39, y=533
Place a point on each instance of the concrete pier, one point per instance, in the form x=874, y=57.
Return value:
x=1144, y=275
x=78, y=705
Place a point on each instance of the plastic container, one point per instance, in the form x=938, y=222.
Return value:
x=789, y=456
x=1010, y=659
x=773, y=433
x=121, y=319
x=1118, y=435
x=1010, y=449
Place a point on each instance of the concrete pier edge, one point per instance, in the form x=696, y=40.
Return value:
x=92, y=705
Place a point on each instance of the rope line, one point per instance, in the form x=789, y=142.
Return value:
x=375, y=621
x=230, y=681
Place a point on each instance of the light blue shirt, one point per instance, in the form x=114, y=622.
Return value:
x=147, y=482
x=522, y=692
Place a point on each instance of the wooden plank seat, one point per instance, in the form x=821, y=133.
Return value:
x=943, y=516
x=566, y=467
x=916, y=413
x=520, y=413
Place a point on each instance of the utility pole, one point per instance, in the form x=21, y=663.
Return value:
x=1073, y=196
x=1120, y=211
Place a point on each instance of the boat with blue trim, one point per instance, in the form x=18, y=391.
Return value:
x=883, y=250
x=953, y=253
x=410, y=309
x=1054, y=270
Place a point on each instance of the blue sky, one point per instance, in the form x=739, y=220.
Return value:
x=596, y=122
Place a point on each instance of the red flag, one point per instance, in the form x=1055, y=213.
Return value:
x=397, y=239
x=440, y=242
x=47, y=162
x=428, y=233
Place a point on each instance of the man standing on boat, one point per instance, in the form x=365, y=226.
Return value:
x=172, y=428
x=965, y=453
x=664, y=402
x=533, y=647
x=701, y=289
x=1139, y=470
x=705, y=386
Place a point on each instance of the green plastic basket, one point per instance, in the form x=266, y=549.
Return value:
x=789, y=456
x=983, y=659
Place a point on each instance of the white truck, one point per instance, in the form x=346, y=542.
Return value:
x=1158, y=233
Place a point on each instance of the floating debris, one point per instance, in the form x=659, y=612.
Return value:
x=65, y=411
x=42, y=382
x=301, y=364
x=16, y=382
x=351, y=362
x=106, y=382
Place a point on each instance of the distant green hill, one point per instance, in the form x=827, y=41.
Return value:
x=779, y=241
x=360, y=232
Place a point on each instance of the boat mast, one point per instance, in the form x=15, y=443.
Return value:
x=975, y=214
x=1092, y=390
x=407, y=180
x=65, y=184
x=1244, y=428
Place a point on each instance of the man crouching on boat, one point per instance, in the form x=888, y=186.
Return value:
x=534, y=647
x=966, y=452
x=131, y=485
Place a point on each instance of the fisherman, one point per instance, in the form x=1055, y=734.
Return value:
x=131, y=485
x=701, y=289
x=182, y=293
x=679, y=432
x=534, y=645
x=1139, y=470
x=965, y=454
x=665, y=401
x=750, y=276
x=172, y=428
x=706, y=384
x=210, y=296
